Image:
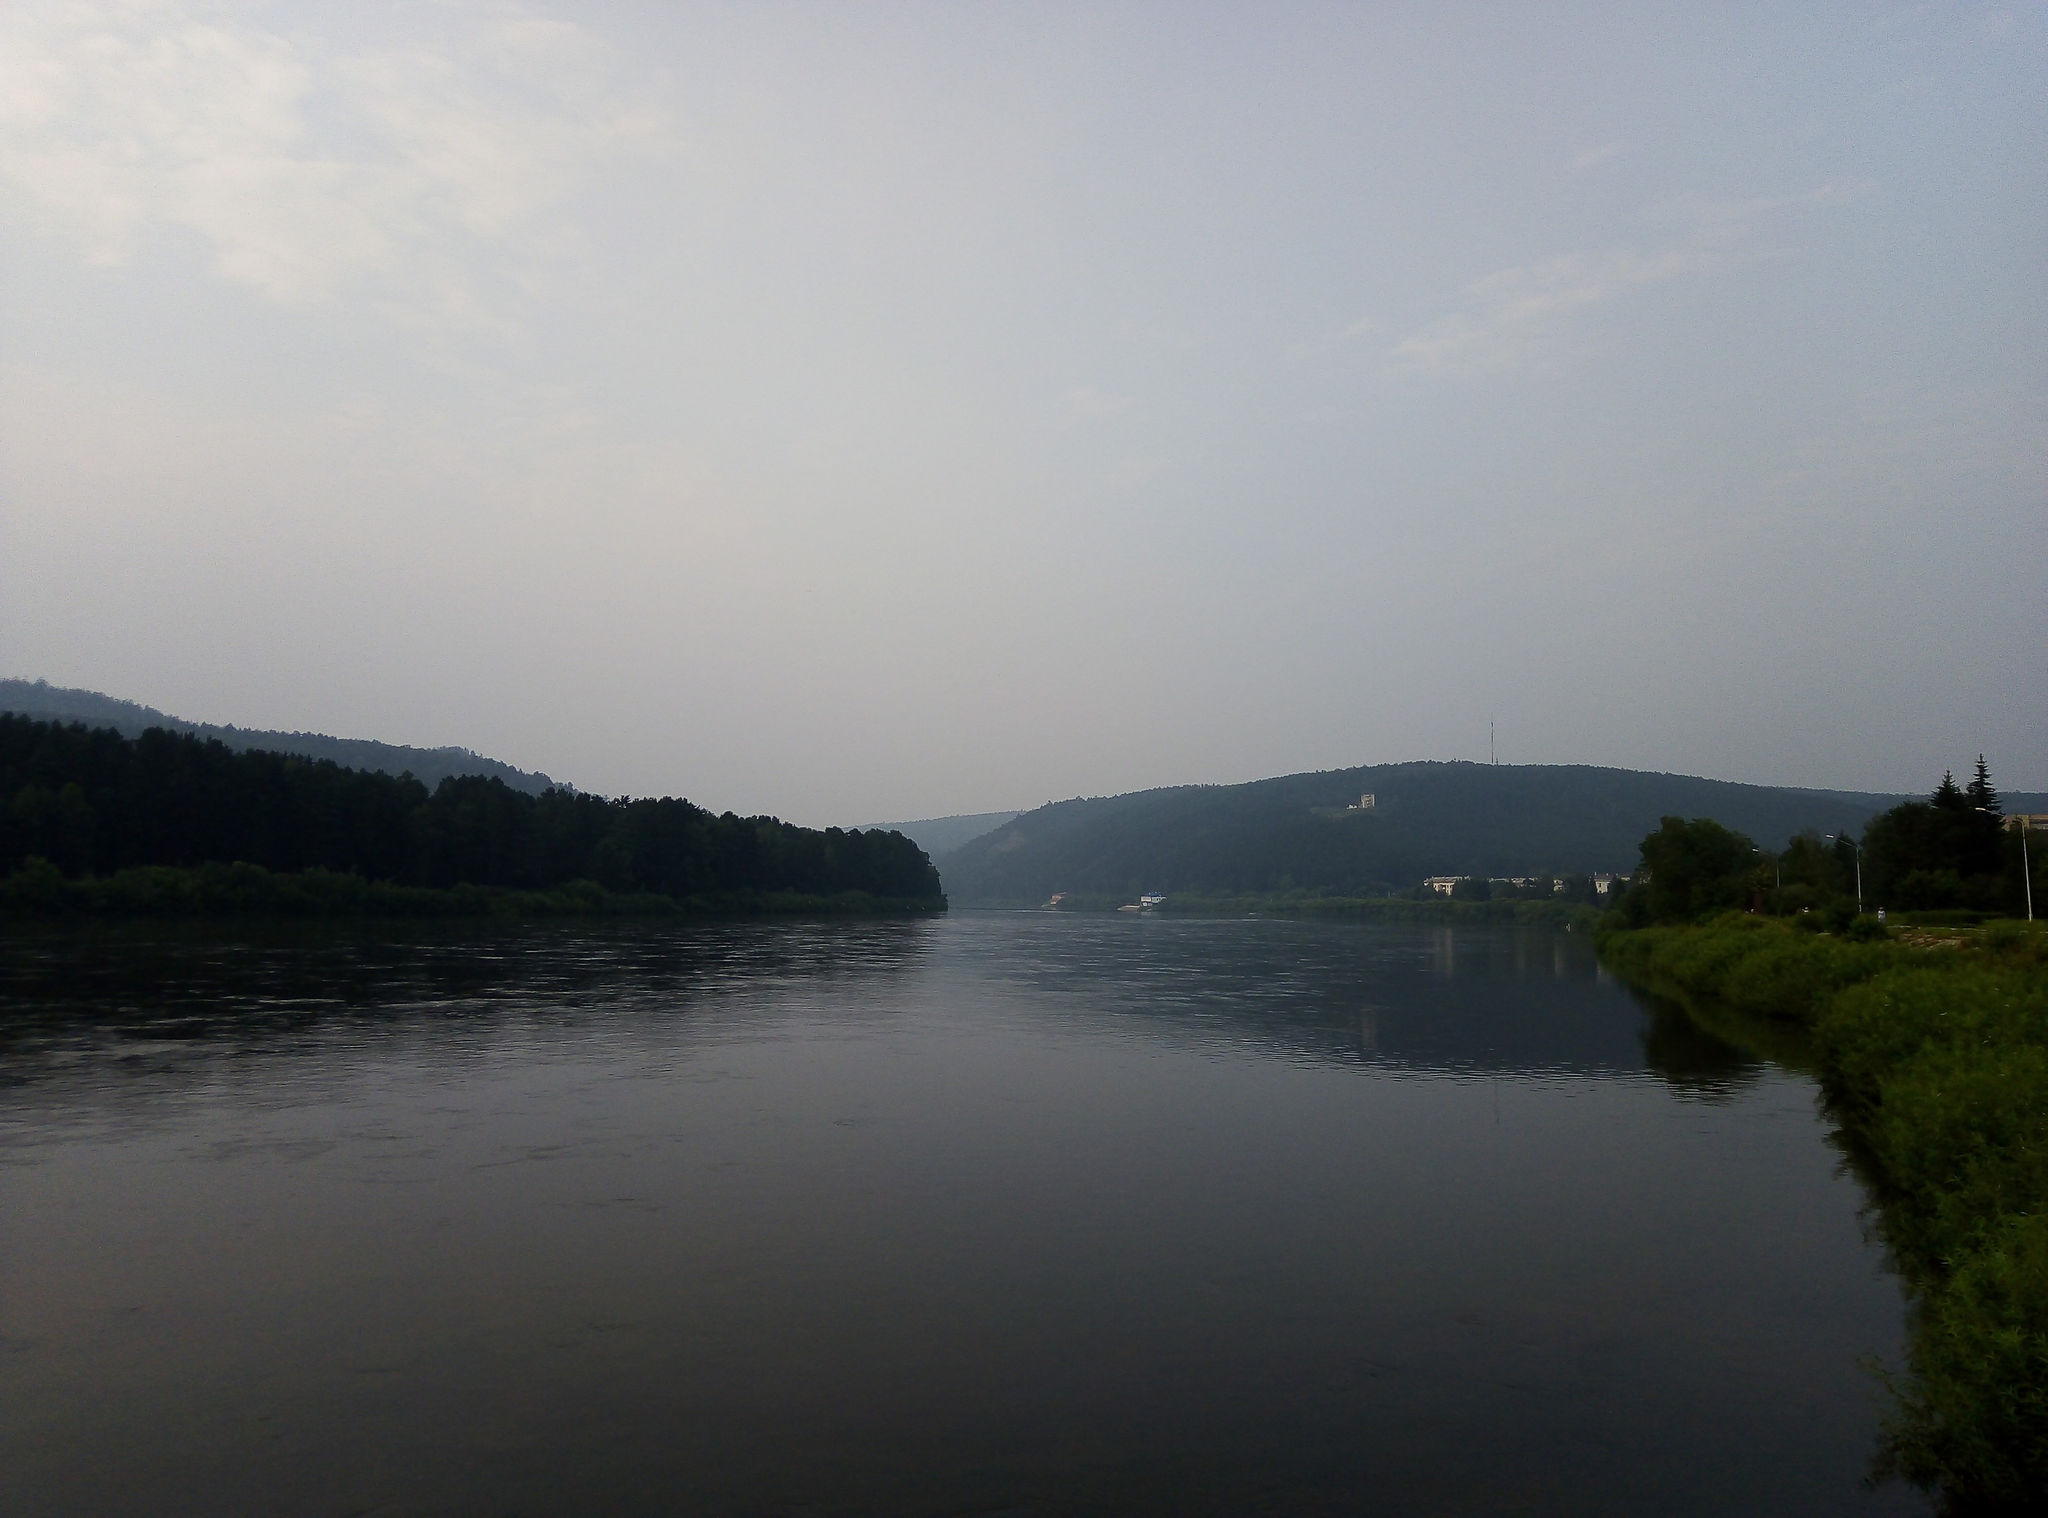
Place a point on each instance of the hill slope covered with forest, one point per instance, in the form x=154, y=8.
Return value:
x=91, y=804
x=940, y=836
x=1294, y=833
x=55, y=703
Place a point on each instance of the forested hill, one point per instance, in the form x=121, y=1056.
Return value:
x=940, y=836
x=91, y=802
x=1293, y=833
x=54, y=703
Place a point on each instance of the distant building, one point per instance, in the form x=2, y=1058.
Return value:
x=1365, y=803
x=2030, y=821
x=1602, y=884
x=1442, y=884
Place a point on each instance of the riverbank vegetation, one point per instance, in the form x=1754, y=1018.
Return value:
x=1932, y=1050
x=167, y=823
x=1954, y=858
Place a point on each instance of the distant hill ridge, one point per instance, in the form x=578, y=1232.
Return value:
x=939, y=836
x=1305, y=832
x=54, y=703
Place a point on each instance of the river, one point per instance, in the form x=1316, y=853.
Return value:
x=1001, y=1213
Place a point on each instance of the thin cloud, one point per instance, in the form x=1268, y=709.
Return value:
x=399, y=174
x=1593, y=156
x=1519, y=316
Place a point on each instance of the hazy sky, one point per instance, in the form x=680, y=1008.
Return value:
x=861, y=411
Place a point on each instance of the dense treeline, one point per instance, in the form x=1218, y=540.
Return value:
x=1952, y=850
x=1950, y=854
x=92, y=802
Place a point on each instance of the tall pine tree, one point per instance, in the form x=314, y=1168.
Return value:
x=1948, y=795
x=1980, y=791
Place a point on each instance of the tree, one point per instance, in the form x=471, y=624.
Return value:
x=1695, y=868
x=1982, y=797
x=1945, y=851
x=94, y=802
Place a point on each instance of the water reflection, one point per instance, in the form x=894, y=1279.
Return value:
x=1694, y=1061
x=1479, y=1000
x=128, y=982
x=1482, y=1000
x=1008, y=1212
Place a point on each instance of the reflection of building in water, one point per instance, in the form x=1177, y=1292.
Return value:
x=1443, y=952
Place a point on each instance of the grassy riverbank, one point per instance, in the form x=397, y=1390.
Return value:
x=1935, y=1063
x=39, y=890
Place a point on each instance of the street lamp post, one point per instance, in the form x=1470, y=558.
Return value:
x=2026, y=865
x=2026, y=868
x=1845, y=838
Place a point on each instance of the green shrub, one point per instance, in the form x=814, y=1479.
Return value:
x=1753, y=964
x=1973, y=1412
x=1786, y=975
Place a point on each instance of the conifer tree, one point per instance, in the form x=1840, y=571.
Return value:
x=1948, y=795
x=1980, y=791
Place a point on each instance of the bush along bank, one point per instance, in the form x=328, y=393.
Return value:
x=40, y=890
x=1935, y=1065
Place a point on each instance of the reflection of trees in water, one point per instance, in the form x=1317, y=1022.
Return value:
x=1452, y=999
x=166, y=981
x=1711, y=1054
x=1693, y=1061
x=1484, y=998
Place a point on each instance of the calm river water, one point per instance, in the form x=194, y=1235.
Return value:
x=1024, y=1214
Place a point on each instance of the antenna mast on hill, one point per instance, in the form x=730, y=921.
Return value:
x=1490, y=759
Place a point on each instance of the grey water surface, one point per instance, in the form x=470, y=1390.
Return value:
x=1003, y=1213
